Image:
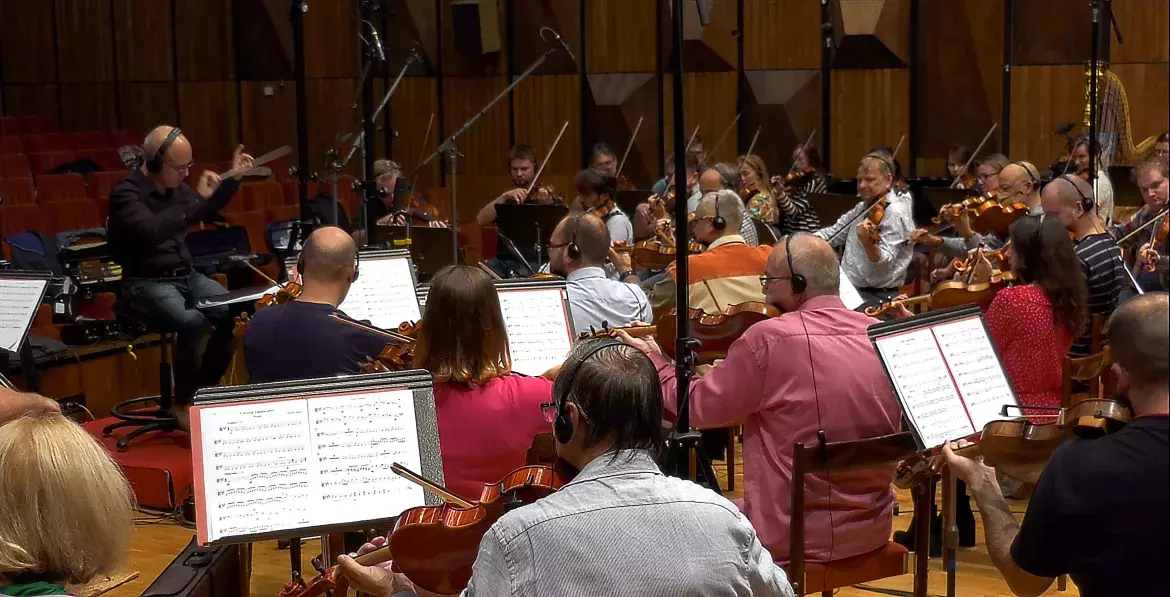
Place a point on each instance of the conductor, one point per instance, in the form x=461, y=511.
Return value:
x=150, y=211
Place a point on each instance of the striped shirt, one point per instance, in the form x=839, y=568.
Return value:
x=798, y=213
x=1101, y=261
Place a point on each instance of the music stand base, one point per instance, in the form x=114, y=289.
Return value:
x=678, y=449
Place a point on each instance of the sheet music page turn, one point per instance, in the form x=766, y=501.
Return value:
x=920, y=377
x=383, y=294
x=539, y=335
x=19, y=299
x=982, y=382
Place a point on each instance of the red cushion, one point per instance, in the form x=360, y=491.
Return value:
x=60, y=187
x=64, y=216
x=100, y=183
x=105, y=157
x=45, y=142
x=43, y=162
x=257, y=196
x=10, y=144
x=17, y=191
x=883, y=562
x=14, y=166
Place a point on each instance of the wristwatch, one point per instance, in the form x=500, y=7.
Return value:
x=625, y=274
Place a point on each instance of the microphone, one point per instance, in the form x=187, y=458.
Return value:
x=564, y=45
x=1064, y=128
x=377, y=43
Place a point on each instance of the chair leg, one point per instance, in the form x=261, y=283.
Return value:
x=731, y=459
x=1062, y=582
x=828, y=593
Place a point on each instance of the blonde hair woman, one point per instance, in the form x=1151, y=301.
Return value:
x=67, y=514
x=757, y=193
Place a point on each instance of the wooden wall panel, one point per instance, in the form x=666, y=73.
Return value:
x=543, y=104
x=709, y=103
x=1042, y=98
x=26, y=42
x=85, y=41
x=562, y=16
x=486, y=144
x=1050, y=32
x=869, y=108
x=331, y=40
x=147, y=105
x=620, y=36
x=330, y=117
x=210, y=116
x=456, y=64
x=1148, y=92
x=769, y=45
x=269, y=121
x=411, y=109
x=203, y=34
x=88, y=107
x=31, y=100
x=1145, y=24
x=143, y=40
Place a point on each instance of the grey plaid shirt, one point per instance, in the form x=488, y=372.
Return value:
x=622, y=528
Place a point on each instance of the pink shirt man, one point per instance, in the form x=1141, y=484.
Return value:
x=783, y=380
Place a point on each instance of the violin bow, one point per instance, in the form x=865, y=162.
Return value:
x=979, y=148
x=690, y=141
x=483, y=266
x=547, y=156
x=1151, y=222
x=262, y=274
x=629, y=146
x=422, y=151
x=804, y=148
x=723, y=137
x=430, y=486
x=755, y=137
x=373, y=330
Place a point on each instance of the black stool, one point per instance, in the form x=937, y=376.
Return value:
x=130, y=413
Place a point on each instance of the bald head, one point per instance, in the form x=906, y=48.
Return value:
x=1018, y=172
x=1138, y=336
x=1071, y=190
x=812, y=258
x=328, y=256
x=157, y=135
x=589, y=233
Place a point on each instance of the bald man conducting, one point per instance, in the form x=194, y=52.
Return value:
x=150, y=211
x=789, y=379
x=1071, y=199
x=300, y=339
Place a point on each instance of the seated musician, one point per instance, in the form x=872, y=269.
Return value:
x=662, y=184
x=1162, y=147
x=487, y=414
x=727, y=272
x=577, y=250
x=987, y=174
x=753, y=180
x=596, y=190
x=797, y=213
x=1069, y=198
x=522, y=166
x=1098, y=513
x=646, y=223
x=68, y=514
x=957, y=157
x=303, y=339
x=1102, y=186
x=150, y=211
x=604, y=158
x=788, y=379
x=724, y=176
x=621, y=527
x=876, y=255
x=1151, y=178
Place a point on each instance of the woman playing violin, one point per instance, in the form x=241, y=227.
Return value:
x=487, y=415
x=958, y=157
x=753, y=176
x=792, y=191
x=596, y=190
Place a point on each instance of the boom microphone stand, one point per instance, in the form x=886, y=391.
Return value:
x=682, y=439
x=449, y=148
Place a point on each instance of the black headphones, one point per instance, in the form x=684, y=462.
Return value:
x=573, y=250
x=563, y=425
x=1086, y=200
x=718, y=223
x=357, y=260
x=1028, y=171
x=155, y=163
x=798, y=282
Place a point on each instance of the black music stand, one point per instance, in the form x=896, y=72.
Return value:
x=530, y=226
x=430, y=248
x=940, y=196
x=37, y=282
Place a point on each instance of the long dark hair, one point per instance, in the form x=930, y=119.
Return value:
x=463, y=338
x=1043, y=255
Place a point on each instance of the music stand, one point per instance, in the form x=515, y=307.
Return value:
x=21, y=293
x=529, y=226
x=940, y=196
x=831, y=206
x=628, y=201
x=430, y=248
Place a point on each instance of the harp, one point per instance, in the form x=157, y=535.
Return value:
x=1114, y=130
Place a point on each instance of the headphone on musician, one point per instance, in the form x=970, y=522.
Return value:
x=563, y=424
x=572, y=249
x=154, y=165
x=1086, y=200
x=798, y=282
x=718, y=223
x=357, y=260
x=1031, y=176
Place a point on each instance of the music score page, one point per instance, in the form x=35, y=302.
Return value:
x=286, y=464
x=539, y=333
x=19, y=300
x=383, y=293
x=948, y=378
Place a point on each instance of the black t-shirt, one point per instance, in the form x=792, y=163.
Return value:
x=301, y=341
x=1099, y=513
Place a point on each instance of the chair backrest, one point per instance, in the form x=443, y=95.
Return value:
x=257, y=196
x=60, y=187
x=10, y=144
x=44, y=162
x=31, y=125
x=105, y=157
x=9, y=126
x=45, y=142
x=837, y=457
x=100, y=183
x=1094, y=369
x=77, y=214
x=15, y=219
x=17, y=191
x=1097, y=324
x=88, y=140
x=14, y=166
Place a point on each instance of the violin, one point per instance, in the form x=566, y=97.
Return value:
x=715, y=332
x=749, y=191
x=875, y=214
x=397, y=355
x=797, y=177
x=966, y=181
x=656, y=254
x=953, y=293
x=624, y=183
x=604, y=209
x=964, y=265
x=1150, y=257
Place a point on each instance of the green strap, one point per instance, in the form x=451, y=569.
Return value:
x=33, y=588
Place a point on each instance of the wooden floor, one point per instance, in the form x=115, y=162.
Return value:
x=155, y=545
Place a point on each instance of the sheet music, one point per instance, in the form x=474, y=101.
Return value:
x=539, y=334
x=982, y=382
x=383, y=294
x=19, y=299
x=920, y=376
x=848, y=293
x=288, y=464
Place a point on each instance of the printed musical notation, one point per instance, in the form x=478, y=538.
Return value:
x=921, y=380
x=539, y=336
x=977, y=372
x=19, y=299
x=383, y=294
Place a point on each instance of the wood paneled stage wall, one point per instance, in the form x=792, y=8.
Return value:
x=221, y=69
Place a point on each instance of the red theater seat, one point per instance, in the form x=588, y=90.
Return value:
x=120, y=138
x=60, y=187
x=88, y=140
x=17, y=191
x=14, y=166
x=45, y=142
x=100, y=183
x=9, y=126
x=10, y=144
x=283, y=212
x=15, y=219
x=31, y=125
x=257, y=196
x=43, y=163
x=107, y=158
x=62, y=216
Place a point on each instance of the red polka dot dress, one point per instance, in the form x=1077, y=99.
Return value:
x=1031, y=344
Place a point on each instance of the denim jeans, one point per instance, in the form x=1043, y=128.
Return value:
x=168, y=305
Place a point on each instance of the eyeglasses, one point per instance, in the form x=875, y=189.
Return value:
x=764, y=280
x=558, y=245
x=181, y=167
x=550, y=411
